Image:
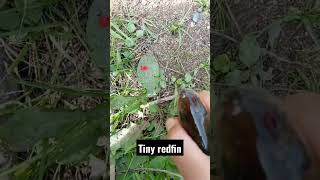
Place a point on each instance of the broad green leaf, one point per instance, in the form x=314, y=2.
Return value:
x=27, y=127
x=158, y=162
x=149, y=74
x=74, y=133
x=187, y=78
x=249, y=51
x=234, y=77
x=9, y=19
x=97, y=36
x=222, y=63
x=119, y=101
x=139, y=34
x=81, y=140
x=32, y=9
x=131, y=27
x=274, y=33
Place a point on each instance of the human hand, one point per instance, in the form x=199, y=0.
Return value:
x=194, y=164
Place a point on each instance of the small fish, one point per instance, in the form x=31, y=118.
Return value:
x=255, y=138
x=194, y=117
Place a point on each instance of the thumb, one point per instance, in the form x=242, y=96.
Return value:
x=194, y=164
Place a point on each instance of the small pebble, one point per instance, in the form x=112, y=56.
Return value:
x=196, y=17
x=192, y=24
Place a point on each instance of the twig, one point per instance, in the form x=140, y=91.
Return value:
x=233, y=18
x=281, y=59
x=153, y=170
x=162, y=100
x=56, y=172
x=62, y=51
x=4, y=44
x=225, y=36
x=11, y=93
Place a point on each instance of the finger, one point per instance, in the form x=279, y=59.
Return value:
x=205, y=99
x=194, y=164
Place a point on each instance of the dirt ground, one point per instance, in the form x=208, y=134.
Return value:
x=195, y=45
x=295, y=59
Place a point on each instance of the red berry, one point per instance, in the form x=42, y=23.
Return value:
x=104, y=21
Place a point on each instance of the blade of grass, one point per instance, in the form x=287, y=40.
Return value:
x=39, y=28
x=65, y=90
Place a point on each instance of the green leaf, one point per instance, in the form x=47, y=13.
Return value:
x=119, y=101
x=128, y=55
x=9, y=19
x=148, y=74
x=81, y=140
x=32, y=10
x=28, y=126
x=187, y=78
x=139, y=34
x=234, y=77
x=131, y=27
x=158, y=162
x=98, y=40
x=72, y=131
x=179, y=81
x=115, y=35
x=139, y=161
x=154, y=108
x=274, y=33
x=222, y=63
x=249, y=51
x=130, y=42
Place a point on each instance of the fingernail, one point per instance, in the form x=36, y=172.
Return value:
x=171, y=122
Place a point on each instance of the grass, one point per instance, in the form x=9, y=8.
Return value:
x=135, y=106
x=50, y=62
x=273, y=35
x=126, y=39
x=47, y=55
